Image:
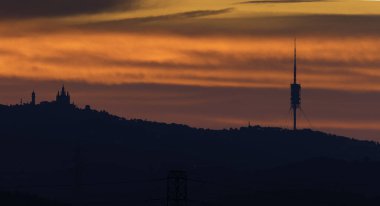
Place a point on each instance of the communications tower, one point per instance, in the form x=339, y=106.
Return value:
x=295, y=99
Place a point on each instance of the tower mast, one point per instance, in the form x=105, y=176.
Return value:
x=295, y=61
x=295, y=90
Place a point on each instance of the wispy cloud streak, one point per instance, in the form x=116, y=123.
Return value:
x=278, y=1
x=111, y=58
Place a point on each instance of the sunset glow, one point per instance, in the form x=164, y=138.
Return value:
x=204, y=44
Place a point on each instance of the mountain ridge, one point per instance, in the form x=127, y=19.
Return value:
x=47, y=143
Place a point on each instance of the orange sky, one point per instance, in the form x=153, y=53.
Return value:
x=217, y=46
x=114, y=58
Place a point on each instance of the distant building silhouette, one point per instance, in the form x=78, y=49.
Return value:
x=63, y=97
x=33, y=102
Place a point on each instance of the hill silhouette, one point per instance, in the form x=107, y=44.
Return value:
x=52, y=150
x=19, y=199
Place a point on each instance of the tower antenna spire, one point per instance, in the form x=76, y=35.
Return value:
x=295, y=60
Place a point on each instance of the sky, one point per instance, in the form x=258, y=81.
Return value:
x=206, y=63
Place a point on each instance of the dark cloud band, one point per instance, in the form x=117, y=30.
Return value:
x=175, y=16
x=14, y=9
x=268, y=26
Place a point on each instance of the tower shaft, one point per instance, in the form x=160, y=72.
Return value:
x=295, y=88
x=295, y=62
x=294, y=119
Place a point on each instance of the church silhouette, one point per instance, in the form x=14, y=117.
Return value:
x=63, y=98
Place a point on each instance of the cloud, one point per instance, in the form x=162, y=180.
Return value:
x=121, y=58
x=190, y=24
x=264, y=26
x=175, y=16
x=15, y=9
x=278, y=1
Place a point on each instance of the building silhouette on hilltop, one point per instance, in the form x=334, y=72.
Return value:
x=33, y=102
x=63, y=97
x=62, y=100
